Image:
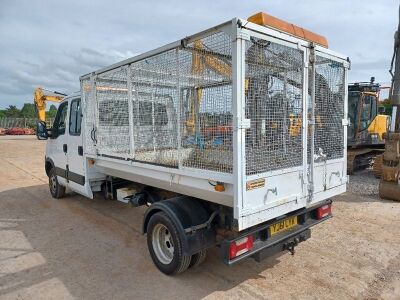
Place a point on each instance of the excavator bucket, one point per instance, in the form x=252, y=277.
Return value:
x=389, y=190
x=389, y=187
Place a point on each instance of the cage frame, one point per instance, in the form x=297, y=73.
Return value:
x=239, y=30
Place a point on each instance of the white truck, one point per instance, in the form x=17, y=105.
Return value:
x=233, y=137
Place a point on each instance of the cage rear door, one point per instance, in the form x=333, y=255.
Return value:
x=327, y=141
x=275, y=163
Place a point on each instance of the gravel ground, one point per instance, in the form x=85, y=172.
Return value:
x=76, y=248
x=364, y=183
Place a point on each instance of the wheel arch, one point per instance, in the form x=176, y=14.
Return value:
x=185, y=212
x=49, y=164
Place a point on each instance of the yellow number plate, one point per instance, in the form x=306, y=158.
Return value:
x=283, y=225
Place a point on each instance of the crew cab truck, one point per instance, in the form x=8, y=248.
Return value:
x=233, y=137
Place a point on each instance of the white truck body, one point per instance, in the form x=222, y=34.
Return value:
x=272, y=129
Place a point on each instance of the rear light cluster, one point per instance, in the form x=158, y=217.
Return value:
x=241, y=246
x=324, y=211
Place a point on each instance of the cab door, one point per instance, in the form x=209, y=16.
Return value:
x=76, y=163
x=57, y=145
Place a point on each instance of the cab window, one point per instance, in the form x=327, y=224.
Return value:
x=60, y=120
x=367, y=112
x=75, y=117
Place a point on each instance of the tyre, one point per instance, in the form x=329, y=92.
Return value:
x=165, y=245
x=56, y=190
x=198, y=258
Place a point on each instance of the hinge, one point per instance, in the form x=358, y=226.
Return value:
x=312, y=53
x=299, y=46
x=345, y=122
x=243, y=123
x=347, y=63
x=243, y=36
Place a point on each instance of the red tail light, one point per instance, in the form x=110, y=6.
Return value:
x=241, y=246
x=324, y=211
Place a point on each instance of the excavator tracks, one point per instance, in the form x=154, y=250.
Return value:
x=358, y=159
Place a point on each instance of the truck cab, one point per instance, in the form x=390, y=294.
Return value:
x=65, y=163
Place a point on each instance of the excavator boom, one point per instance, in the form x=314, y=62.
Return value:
x=40, y=99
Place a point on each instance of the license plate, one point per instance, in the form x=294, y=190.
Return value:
x=283, y=225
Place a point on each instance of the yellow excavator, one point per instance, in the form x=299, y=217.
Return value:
x=41, y=96
x=367, y=126
x=201, y=61
x=389, y=187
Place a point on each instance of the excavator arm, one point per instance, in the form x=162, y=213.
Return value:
x=40, y=99
x=389, y=187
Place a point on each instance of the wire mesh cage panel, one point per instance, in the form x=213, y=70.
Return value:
x=178, y=112
x=89, y=107
x=112, y=113
x=205, y=80
x=329, y=108
x=155, y=103
x=273, y=88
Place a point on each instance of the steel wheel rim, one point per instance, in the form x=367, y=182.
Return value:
x=53, y=183
x=163, y=245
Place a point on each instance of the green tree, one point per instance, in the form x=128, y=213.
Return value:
x=28, y=110
x=2, y=114
x=52, y=111
x=12, y=111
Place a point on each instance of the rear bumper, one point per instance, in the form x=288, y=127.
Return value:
x=266, y=245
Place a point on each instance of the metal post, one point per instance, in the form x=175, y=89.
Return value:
x=305, y=119
x=238, y=106
x=130, y=111
x=345, y=116
x=312, y=123
x=93, y=80
x=179, y=111
x=152, y=115
x=285, y=110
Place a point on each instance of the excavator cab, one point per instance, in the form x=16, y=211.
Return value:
x=362, y=110
x=367, y=126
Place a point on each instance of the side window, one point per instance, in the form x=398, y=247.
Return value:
x=75, y=117
x=366, y=113
x=61, y=119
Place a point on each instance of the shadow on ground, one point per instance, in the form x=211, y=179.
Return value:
x=92, y=249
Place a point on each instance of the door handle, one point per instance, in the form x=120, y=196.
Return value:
x=65, y=148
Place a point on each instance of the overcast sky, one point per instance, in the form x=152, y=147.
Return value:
x=52, y=43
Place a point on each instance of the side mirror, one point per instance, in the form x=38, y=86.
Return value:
x=41, y=130
x=381, y=110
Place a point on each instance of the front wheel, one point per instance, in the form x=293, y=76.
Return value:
x=56, y=190
x=165, y=245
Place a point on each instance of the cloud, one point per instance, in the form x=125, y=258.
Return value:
x=52, y=43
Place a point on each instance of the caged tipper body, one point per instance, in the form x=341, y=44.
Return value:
x=234, y=136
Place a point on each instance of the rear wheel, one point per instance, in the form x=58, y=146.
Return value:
x=198, y=258
x=56, y=190
x=165, y=245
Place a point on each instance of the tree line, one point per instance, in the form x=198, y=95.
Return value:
x=28, y=110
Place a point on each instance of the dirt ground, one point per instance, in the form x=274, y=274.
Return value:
x=93, y=249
